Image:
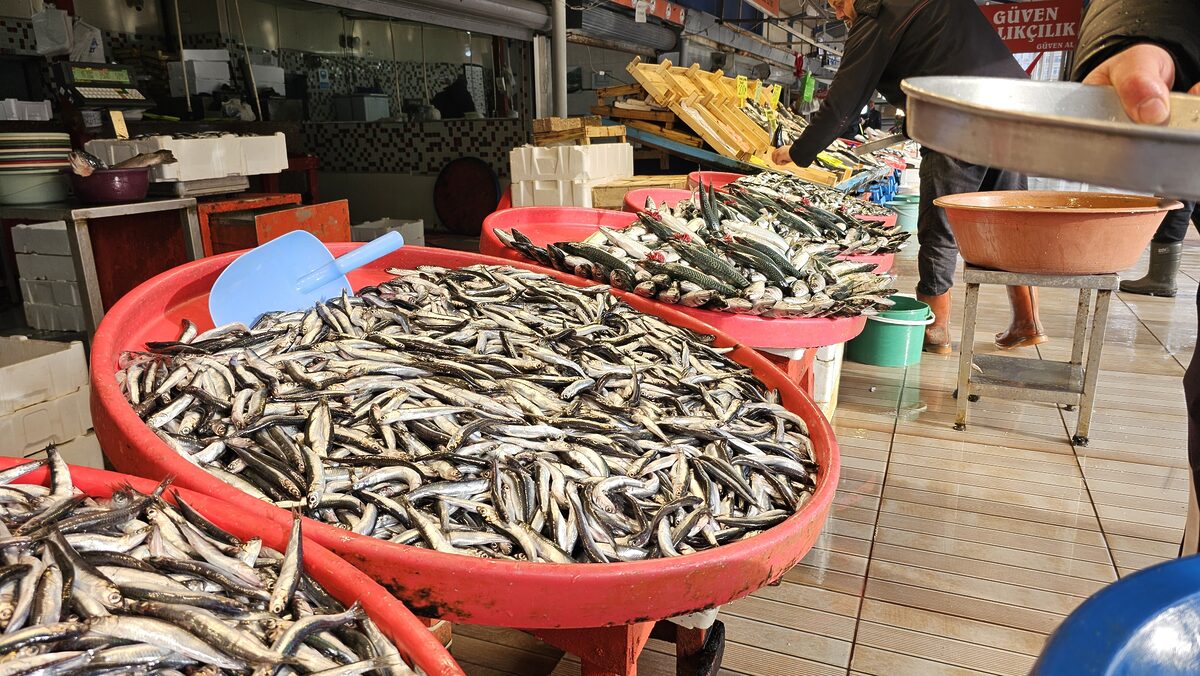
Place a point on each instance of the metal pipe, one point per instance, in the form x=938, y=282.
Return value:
x=558, y=55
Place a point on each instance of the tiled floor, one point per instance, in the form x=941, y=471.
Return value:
x=959, y=552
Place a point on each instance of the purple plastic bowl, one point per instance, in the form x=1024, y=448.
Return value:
x=109, y=186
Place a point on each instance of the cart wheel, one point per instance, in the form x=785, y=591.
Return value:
x=1079, y=441
x=706, y=662
x=960, y=427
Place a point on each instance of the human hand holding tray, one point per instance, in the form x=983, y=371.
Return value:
x=1057, y=129
x=291, y=272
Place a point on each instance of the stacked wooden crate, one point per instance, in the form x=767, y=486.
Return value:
x=709, y=104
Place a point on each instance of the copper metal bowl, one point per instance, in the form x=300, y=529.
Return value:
x=1053, y=233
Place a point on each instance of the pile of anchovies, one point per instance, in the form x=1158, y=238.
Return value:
x=793, y=192
x=733, y=253
x=485, y=411
x=135, y=585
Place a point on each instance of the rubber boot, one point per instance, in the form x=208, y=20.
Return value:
x=1160, y=278
x=1025, y=330
x=937, y=334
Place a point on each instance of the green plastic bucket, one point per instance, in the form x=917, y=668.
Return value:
x=907, y=207
x=894, y=337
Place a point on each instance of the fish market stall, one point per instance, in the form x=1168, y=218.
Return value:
x=134, y=607
x=615, y=605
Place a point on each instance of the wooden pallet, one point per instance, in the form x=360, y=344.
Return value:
x=611, y=195
x=580, y=135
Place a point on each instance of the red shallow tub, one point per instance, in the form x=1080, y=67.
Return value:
x=716, y=179
x=460, y=588
x=546, y=225
x=635, y=200
x=346, y=583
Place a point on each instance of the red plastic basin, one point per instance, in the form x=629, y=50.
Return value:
x=461, y=588
x=716, y=179
x=635, y=200
x=342, y=580
x=546, y=225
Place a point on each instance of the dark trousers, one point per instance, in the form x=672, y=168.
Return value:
x=942, y=175
x=1174, y=226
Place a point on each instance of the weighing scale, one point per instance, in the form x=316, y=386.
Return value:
x=92, y=86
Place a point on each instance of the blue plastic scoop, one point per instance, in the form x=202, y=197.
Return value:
x=291, y=272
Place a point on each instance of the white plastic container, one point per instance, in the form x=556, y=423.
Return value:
x=44, y=266
x=54, y=421
x=15, y=110
x=34, y=371
x=41, y=238
x=413, y=231
x=554, y=193
x=202, y=158
x=571, y=163
x=51, y=317
x=50, y=292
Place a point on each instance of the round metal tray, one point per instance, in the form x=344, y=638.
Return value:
x=1058, y=130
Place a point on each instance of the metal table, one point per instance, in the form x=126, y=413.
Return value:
x=1071, y=383
x=78, y=219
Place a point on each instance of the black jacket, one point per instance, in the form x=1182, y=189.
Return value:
x=1112, y=25
x=896, y=39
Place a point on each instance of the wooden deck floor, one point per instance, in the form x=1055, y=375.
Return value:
x=959, y=552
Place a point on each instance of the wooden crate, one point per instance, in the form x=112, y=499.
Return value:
x=580, y=135
x=674, y=88
x=544, y=125
x=625, y=114
x=611, y=195
x=672, y=134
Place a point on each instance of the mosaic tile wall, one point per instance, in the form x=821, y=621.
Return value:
x=16, y=36
x=400, y=80
x=416, y=148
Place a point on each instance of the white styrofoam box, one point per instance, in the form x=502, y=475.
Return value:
x=33, y=371
x=571, y=163
x=553, y=193
x=413, y=230
x=199, y=70
x=12, y=109
x=83, y=451
x=54, y=421
x=41, y=238
x=269, y=76
x=45, y=266
x=50, y=292
x=201, y=158
x=55, y=317
x=263, y=154
x=196, y=86
x=206, y=55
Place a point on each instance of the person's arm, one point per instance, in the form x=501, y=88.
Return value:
x=1143, y=49
x=866, y=55
x=1111, y=26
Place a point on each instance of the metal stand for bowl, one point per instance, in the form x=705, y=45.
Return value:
x=1071, y=383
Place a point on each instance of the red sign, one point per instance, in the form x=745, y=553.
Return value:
x=1046, y=26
